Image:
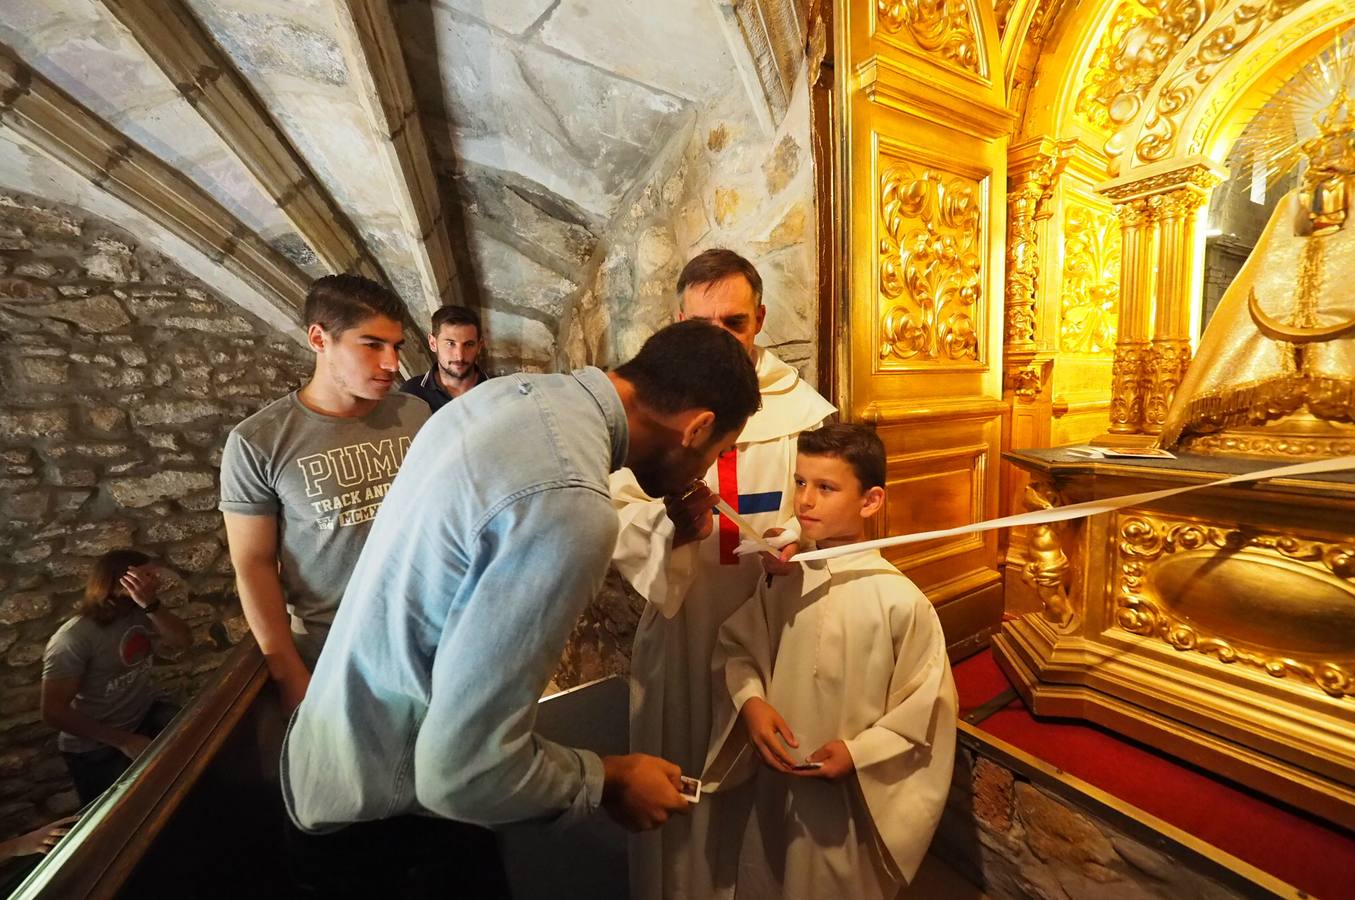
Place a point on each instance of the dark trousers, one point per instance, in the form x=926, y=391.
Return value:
x=94, y=770
x=405, y=858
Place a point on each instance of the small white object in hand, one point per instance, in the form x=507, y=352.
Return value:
x=750, y=546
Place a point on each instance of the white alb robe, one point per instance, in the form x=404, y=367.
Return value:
x=691, y=591
x=847, y=649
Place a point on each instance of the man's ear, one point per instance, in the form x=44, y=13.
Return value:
x=872, y=501
x=316, y=337
x=699, y=429
x=433, y=343
x=761, y=316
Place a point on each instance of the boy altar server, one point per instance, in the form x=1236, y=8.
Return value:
x=842, y=663
x=683, y=563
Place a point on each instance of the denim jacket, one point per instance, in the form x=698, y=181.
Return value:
x=495, y=535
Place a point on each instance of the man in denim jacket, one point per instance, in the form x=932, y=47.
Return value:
x=492, y=539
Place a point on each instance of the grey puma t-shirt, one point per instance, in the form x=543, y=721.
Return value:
x=323, y=478
x=113, y=663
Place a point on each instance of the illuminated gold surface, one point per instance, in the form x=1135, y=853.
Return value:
x=1220, y=627
x=922, y=130
x=943, y=28
x=1106, y=78
x=1091, y=280
x=930, y=266
x=1280, y=602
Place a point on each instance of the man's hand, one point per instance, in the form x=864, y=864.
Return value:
x=836, y=759
x=779, y=564
x=641, y=791
x=691, y=512
x=766, y=729
x=40, y=840
x=141, y=584
x=134, y=745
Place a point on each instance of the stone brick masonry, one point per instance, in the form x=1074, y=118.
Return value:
x=120, y=377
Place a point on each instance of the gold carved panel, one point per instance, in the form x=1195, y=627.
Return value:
x=1282, y=603
x=1106, y=75
x=944, y=29
x=931, y=258
x=1090, y=302
x=932, y=490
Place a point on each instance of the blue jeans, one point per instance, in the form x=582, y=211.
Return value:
x=94, y=770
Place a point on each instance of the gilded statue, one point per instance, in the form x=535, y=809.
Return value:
x=1275, y=370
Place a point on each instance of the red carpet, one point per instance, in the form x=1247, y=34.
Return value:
x=1311, y=855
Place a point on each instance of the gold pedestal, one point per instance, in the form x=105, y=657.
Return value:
x=1218, y=626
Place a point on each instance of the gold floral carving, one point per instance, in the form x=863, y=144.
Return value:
x=1028, y=196
x=1247, y=444
x=1166, y=367
x=931, y=256
x=1144, y=51
x=943, y=27
x=1047, y=568
x=1192, y=176
x=1105, y=78
x=1126, y=387
x=1143, y=540
x=1219, y=45
x=1091, y=280
x=1025, y=383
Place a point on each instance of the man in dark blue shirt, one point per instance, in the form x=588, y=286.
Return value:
x=455, y=342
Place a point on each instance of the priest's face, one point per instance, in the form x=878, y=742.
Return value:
x=830, y=504
x=674, y=467
x=729, y=304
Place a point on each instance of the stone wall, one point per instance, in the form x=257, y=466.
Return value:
x=1020, y=841
x=720, y=182
x=121, y=377
x=589, y=169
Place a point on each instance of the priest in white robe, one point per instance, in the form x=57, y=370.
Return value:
x=847, y=650
x=691, y=579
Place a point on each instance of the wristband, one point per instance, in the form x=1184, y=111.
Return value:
x=151, y=607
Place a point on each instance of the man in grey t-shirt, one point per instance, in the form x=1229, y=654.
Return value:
x=302, y=478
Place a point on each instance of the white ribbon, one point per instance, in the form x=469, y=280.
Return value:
x=745, y=527
x=1078, y=510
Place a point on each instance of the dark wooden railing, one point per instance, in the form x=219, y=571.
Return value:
x=200, y=813
x=200, y=791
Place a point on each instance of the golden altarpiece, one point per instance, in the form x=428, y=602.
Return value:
x=1020, y=197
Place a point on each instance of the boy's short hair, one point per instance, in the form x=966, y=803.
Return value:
x=857, y=445
x=717, y=264
x=455, y=315
x=339, y=302
x=695, y=365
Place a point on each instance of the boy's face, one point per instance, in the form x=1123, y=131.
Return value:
x=829, y=502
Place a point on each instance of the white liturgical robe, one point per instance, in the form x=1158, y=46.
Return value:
x=690, y=591
x=846, y=649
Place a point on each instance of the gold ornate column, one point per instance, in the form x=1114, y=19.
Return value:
x=1177, y=215
x=1136, y=300
x=1158, y=212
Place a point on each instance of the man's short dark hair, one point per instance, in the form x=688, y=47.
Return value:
x=717, y=264
x=339, y=302
x=455, y=315
x=695, y=365
x=857, y=445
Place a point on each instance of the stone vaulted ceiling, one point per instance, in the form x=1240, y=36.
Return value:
x=475, y=151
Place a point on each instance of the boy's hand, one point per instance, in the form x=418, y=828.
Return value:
x=779, y=565
x=836, y=759
x=766, y=729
